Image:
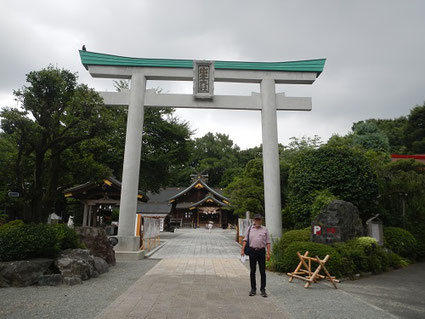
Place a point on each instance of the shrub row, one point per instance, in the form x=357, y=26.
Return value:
x=359, y=255
x=20, y=241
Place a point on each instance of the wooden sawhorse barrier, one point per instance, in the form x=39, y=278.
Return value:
x=307, y=274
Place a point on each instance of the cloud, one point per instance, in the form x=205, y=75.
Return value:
x=374, y=50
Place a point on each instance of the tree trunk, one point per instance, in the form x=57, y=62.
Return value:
x=37, y=192
x=50, y=197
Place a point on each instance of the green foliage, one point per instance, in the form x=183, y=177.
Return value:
x=394, y=129
x=3, y=218
x=115, y=215
x=28, y=241
x=322, y=199
x=11, y=224
x=288, y=261
x=66, y=237
x=62, y=135
x=289, y=237
x=400, y=241
x=368, y=136
x=396, y=262
x=346, y=173
x=363, y=254
x=247, y=191
x=415, y=130
x=55, y=113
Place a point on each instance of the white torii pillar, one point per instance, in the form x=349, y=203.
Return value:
x=271, y=167
x=268, y=102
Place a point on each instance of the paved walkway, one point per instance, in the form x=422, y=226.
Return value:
x=200, y=276
x=199, y=243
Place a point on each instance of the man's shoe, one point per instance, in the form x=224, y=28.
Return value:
x=264, y=293
x=252, y=293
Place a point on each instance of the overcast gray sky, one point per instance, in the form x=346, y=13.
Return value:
x=375, y=52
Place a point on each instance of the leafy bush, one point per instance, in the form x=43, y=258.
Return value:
x=396, y=261
x=3, y=218
x=66, y=237
x=18, y=242
x=289, y=237
x=322, y=199
x=400, y=241
x=289, y=260
x=11, y=224
x=363, y=254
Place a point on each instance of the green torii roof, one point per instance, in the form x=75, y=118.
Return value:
x=93, y=58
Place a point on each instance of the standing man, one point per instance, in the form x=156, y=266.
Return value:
x=259, y=240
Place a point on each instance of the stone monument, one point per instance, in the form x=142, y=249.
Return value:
x=339, y=221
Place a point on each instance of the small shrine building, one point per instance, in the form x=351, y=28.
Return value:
x=191, y=207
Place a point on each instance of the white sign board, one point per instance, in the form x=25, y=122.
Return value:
x=243, y=226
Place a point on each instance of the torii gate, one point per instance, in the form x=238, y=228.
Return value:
x=203, y=74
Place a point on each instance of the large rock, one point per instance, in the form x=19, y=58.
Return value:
x=96, y=240
x=24, y=272
x=50, y=280
x=339, y=221
x=100, y=265
x=76, y=263
x=71, y=281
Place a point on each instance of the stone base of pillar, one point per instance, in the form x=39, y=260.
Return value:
x=128, y=248
x=129, y=255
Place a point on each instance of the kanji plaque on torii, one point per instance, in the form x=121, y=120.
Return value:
x=203, y=79
x=203, y=74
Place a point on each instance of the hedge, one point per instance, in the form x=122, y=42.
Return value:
x=19, y=241
x=400, y=241
x=363, y=254
x=66, y=237
x=289, y=237
x=28, y=241
x=289, y=260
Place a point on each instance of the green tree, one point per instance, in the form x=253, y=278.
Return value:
x=368, y=136
x=214, y=154
x=346, y=173
x=394, y=129
x=57, y=113
x=246, y=191
x=166, y=147
x=415, y=130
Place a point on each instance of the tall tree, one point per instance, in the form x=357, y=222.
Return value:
x=57, y=113
x=369, y=136
x=415, y=130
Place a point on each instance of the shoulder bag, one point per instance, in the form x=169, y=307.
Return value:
x=248, y=250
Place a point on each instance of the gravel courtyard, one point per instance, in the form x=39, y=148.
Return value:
x=79, y=301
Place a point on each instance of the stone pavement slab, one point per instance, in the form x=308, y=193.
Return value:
x=199, y=243
x=193, y=288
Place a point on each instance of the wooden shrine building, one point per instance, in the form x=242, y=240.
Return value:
x=98, y=197
x=191, y=207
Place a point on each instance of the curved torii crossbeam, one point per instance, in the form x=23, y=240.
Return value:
x=203, y=74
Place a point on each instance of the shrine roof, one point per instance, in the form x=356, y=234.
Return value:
x=198, y=183
x=153, y=208
x=94, y=58
x=208, y=199
x=110, y=186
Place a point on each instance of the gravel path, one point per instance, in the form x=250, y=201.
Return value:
x=79, y=301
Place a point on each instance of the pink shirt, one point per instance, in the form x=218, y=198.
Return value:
x=258, y=237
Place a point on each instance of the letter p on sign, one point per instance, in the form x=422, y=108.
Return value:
x=317, y=230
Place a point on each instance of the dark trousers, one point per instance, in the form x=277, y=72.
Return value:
x=260, y=257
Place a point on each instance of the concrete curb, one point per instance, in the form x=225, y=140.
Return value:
x=155, y=250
